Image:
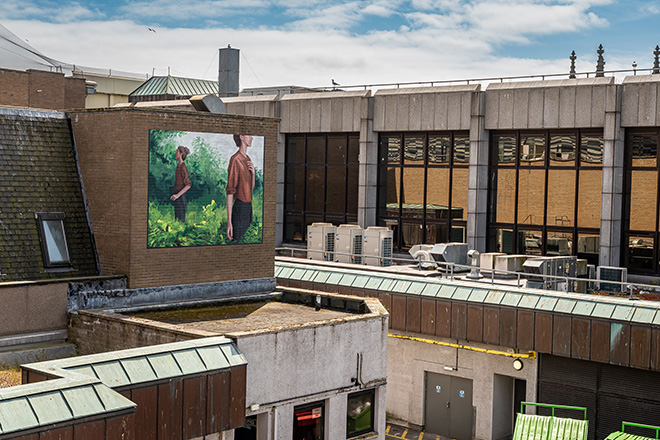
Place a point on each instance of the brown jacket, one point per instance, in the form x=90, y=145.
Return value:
x=239, y=178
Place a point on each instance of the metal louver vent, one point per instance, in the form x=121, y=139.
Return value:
x=357, y=249
x=330, y=246
x=387, y=251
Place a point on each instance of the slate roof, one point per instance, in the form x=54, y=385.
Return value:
x=38, y=173
x=175, y=86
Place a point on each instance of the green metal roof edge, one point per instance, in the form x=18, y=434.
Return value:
x=174, y=85
x=67, y=388
x=544, y=296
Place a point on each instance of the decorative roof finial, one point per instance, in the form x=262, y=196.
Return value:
x=600, y=65
x=656, y=60
x=572, y=58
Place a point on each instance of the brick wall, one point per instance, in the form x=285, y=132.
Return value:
x=113, y=146
x=41, y=89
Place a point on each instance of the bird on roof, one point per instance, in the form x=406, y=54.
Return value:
x=334, y=83
x=152, y=30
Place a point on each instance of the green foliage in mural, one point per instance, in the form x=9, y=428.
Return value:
x=206, y=213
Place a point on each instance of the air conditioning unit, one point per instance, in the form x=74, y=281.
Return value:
x=609, y=273
x=348, y=240
x=377, y=246
x=583, y=273
x=321, y=241
x=509, y=263
x=487, y=260
x=450, y=253
x=565, y=266
x=422, y=254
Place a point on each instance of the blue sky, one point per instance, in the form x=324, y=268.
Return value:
x=310, y=42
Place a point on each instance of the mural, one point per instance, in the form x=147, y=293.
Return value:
x=205, y=189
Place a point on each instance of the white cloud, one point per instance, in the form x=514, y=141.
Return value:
x=192, y=9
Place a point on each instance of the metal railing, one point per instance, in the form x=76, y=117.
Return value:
x=553, y=407
x=495, y=276
x=468, y=81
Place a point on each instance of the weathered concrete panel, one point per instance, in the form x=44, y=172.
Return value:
x=647, y=104
x=348, y=114
x=326, y=115
x=403, y=113
x=492, y=113
x=506, y=110
x=466, y=107
x=391, y=103
x=567, y=107
x=295, y=116
x=336, y=108
x=415, y=123
x=428, y=111
x=521, y=108
x=583, y=102
x=441, y=110
x=551, y=108
x=305, y=115
x=454, y=101
x=379, y=113
x=315, y=116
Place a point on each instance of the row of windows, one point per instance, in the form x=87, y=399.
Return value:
x=545, y=190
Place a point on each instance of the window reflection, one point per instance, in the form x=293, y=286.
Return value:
x=644, y=150
x=461, y=150
x=506, y=149
x=591, y=150
x=532, y=150
x=562, y=150
x=439, y=148
x=413, y=150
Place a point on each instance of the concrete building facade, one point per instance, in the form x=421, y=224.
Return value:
x=545, y=167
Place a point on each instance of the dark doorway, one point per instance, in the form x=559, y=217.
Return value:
x=247, y=431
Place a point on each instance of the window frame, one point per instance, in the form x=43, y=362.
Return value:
x=41, y=218
x=372, y=428
x=299, y=408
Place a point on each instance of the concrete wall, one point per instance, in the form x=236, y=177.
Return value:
x=641, y=106
x=569, y=103
x=113, y=149
x=424, y=108
x=292, y=367
x=32, y=307
x=332, y=112
x=408, y=361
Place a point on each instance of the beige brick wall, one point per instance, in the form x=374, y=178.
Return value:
x=113, y=146
x=41, y=89
x=14, y=88
x=33, y=307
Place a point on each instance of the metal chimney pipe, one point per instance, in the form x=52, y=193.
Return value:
x=228, y=71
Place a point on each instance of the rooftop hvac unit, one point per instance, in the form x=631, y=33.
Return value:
x=422, y=254
x=321, y=241
x=348, y=241
x=565, y=266
x=377, y=246
x=450, y=253
x=487, y=260
x=509, y=263
x=609, y=273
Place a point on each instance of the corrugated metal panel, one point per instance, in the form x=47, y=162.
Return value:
x=172, y=85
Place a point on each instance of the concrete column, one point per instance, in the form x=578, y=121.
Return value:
x=368, y=174
x=611, y=211
x=279, y=208
x=478, y=179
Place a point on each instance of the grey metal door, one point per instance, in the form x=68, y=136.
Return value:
x=448, y=407
x=438, y=392
x=460, y=410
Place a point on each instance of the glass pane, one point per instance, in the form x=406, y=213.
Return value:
x=500, y=240
x=532, y=151
x=588, y=246
x=393, y=198
x=439, y=148
x=437, y=197
x=55, y=242
x=505, y=196
x=359, y=416
x=506, y=149
x=308, y=423
x=589, y=198
x=530, y=242
x=316, y=149
x=336, y=190
x=559, y=243
x=295, y=188
x=413, y=150
x=644, y=150
x=315, y=188
x=352, y=191
x=437, y=233
x=639, y=254
x=391, y=150
x=353, y=149
x=293, y=228
x=295, y=146
x=562, y=150
x=459, y=193
x=643, y=197
x=413, y=192
x=411, y=234
x=337, y=149
x=531, y=194
x=591, y=150
x=561, y=198
x=461, y=150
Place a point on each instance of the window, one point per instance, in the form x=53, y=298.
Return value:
x=308, y=422
x=53, y=240
x=545, y=193
x=423, y=186
x=359, y=413
x=321, y=182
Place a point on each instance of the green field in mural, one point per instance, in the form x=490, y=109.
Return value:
x=197, y=181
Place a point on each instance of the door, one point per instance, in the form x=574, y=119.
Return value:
x=449, y=406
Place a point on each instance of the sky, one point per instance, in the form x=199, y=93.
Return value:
x=355, y=42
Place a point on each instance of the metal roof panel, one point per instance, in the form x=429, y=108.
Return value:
x=584, y=308
x=431, y=290
x=164, y=365
x=334, y=278
x=111, y=373
x=645, y=315
x=494, y=297
x=232, y=355
x=565, y=305
x=511, y=299
x=213, y=357
x=478, y=295
x=546, y=303
x=360, y=281
x=446, y=291
x=50, y=407
x=347, y=280
x=603, y=310
x=401, y=286
x=138, y=369
x=374, y=283
x=528, y=301
x=189, y=361
x=416, y=288
x=83, y=401
x=623, y=313
x=461, y=293
x=16, y=415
